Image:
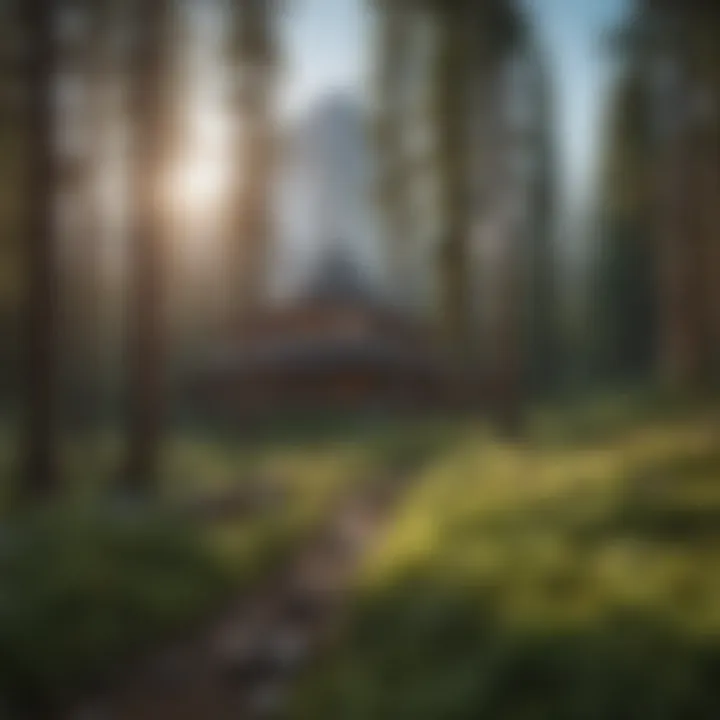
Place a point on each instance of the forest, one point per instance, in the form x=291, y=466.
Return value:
x=367, y=399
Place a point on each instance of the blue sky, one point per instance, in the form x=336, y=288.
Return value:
x=572, y=33
x=327, y=49
x=326, y=46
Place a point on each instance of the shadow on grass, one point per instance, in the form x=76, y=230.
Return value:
x=583, y=422
x=423, y=650
x=548, y=598
x=85, y=588
x=90, y=586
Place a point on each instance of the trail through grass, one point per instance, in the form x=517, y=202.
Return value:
x=88, y=584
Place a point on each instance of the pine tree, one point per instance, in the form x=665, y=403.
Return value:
x=254, y=63
x=40, y=469
x=150, y=79
x=625, y=290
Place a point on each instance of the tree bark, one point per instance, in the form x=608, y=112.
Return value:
x=254, y=65
x=683, y=331
x=452, y=111
x=40, y=468
x=254, y=205
x=150, y=78
x=391, y=122
x=100, y=80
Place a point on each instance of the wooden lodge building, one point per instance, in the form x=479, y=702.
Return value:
x=337, y=345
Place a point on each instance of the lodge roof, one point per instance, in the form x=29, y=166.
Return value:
x=339, y=279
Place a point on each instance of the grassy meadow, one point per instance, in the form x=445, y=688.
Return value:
x=573, y=577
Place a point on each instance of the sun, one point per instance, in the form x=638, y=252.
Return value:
x=198, y=185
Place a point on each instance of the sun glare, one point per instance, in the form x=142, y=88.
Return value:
x=198, y=185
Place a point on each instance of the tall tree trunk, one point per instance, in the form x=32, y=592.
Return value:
x=254, y=206
x=452, y=112
x=471, y=45
x=150, y=79
x=100, y=81
x=390, y=127
x=712, y=208
x=40, y=471
x=507, y=375
x=509, y=378
x=682, y=348
x=504, y=346
x=707, y=49
x=543, y=337
x=86, y=60
x=251, y=213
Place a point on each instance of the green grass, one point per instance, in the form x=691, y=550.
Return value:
x=85, y=588
x=89, y=584
x=575, y=577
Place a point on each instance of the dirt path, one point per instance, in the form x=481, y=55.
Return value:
x=243, y=664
